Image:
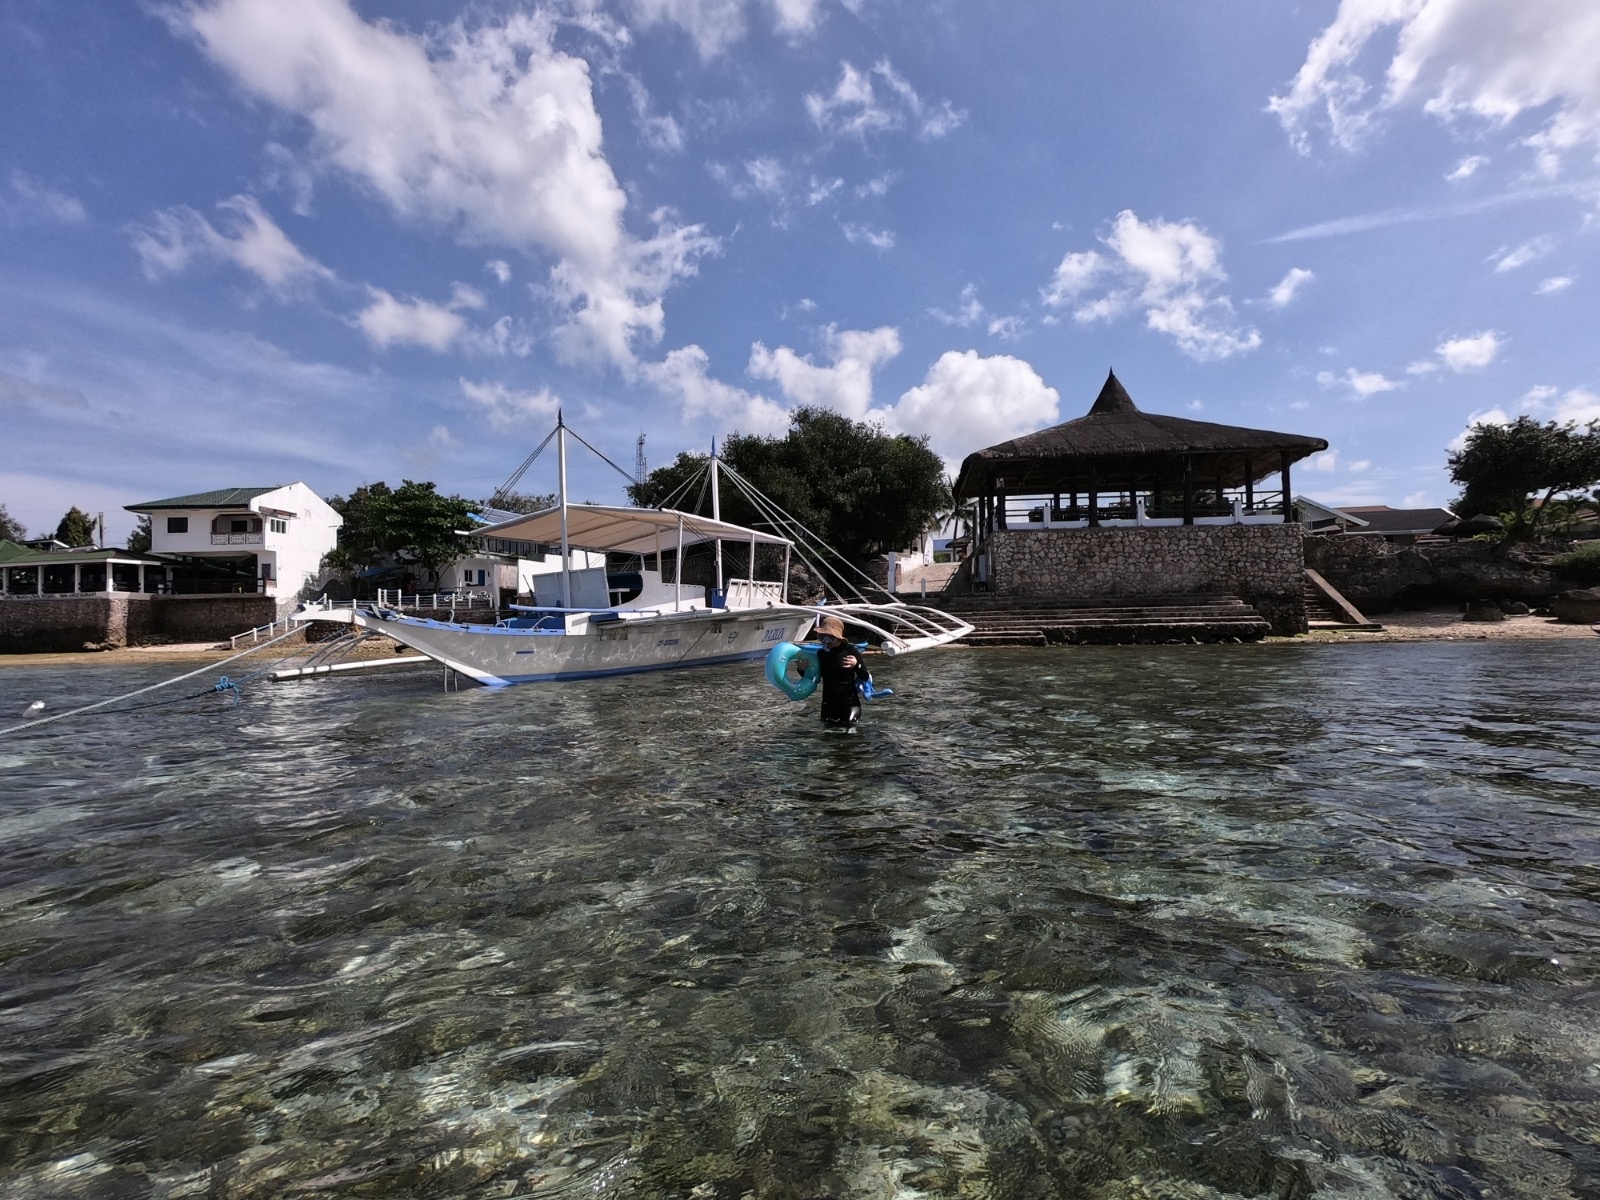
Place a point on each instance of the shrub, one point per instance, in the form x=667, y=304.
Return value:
x=1582, y=564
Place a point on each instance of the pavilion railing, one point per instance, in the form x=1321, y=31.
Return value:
x=1125, y=509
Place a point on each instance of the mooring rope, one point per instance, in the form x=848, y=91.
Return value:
x=223, y=685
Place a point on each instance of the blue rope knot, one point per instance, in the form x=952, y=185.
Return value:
x=227, y=685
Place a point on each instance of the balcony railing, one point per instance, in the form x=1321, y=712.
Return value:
x=236, y=539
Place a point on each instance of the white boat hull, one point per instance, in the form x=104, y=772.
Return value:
x=497, y=655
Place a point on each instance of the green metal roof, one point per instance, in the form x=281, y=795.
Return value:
x=222, y=498
x=13, y=555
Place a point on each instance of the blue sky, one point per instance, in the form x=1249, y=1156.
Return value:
x=244, y=242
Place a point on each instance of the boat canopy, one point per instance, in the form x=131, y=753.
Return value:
x=626, y=530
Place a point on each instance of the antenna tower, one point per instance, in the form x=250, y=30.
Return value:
x=638, y=462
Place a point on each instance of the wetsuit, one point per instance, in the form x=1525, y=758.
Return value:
x=841, y=702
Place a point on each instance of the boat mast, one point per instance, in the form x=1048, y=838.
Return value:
x=716, y=515
x=561, y=486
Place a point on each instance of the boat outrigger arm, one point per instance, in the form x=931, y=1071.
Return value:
x=904, y=628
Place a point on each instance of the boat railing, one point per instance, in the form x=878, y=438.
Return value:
x=753, y=593
x=462, y=599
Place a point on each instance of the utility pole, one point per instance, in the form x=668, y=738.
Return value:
x=100, y=540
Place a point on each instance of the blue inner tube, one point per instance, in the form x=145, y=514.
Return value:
x=778, y=660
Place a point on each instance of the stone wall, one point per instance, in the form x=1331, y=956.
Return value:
x=43, y=624
x=212, y=618
x=32, y=625
x=1378, y=576
x=1261, y=564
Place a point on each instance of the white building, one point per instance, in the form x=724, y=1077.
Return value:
x=265, y=539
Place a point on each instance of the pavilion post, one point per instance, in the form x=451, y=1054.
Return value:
x=1188, y=489
x=1094, y=499
x=1288, y=505
x=1249, y=486
x=1000, y=502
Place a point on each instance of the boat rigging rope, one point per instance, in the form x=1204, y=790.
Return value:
x=223, y=685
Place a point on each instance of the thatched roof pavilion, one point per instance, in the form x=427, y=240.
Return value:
x=1164, y=466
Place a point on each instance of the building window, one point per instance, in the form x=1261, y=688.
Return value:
x=177, y=524
x=279, y=525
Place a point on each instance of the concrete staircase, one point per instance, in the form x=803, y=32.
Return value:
x=1016, y=621
x=1326, y=608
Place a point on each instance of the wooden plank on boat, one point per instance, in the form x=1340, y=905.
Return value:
x=328, y=669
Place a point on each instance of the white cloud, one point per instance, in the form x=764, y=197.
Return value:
x=860, y=235
x=1551, y=404
x=1361, y=383
x=1467, y=167
x=31, y=201
x=1580, y=405
x=1556, y=283
x=1325, y=461
x=1423, y=366
x=499, y=268
x=684, y=376
x=845, y=385
x=1417, y=500
x=1489, y=60
x=1469, y=353
x=967, y=402
x=856, y=107
x=251, y=241
x=505, y=408
x=767, y=175
x=795, y=16
x=970, y=312
x=712, y=25
x=1359, y=465
x=387, y=322
x=1167, y=269
x=1522, y=255
x=1286, y=290
x=490, y=132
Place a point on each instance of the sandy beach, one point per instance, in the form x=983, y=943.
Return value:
x=189, y=652
x=1445, y=624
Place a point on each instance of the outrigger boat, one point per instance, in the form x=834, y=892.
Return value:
x=598, y=621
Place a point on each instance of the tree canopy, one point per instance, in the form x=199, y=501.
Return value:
x=520, y=502
x=76, y=528
x=10, y=528
x=1519, y=468
x=412, y=523
x=859, y=489
x=139, y=539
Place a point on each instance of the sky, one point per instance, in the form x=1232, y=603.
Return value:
x=247, y=242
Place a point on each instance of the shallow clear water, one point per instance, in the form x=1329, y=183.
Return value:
x=1112, y=923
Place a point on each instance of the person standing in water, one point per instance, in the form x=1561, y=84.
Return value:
x=843, y=672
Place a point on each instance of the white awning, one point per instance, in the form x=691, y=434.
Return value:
x=628, y=530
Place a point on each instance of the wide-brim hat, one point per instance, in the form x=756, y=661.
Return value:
x=830, y=627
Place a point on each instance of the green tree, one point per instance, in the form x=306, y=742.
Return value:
x=859, y=489
x=520, y=502
x=76, y=528
x=1520, y=468
x=139, y=539
x=10, y=528
x=411, y=524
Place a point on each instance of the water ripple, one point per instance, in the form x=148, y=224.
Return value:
x=1116, y=923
